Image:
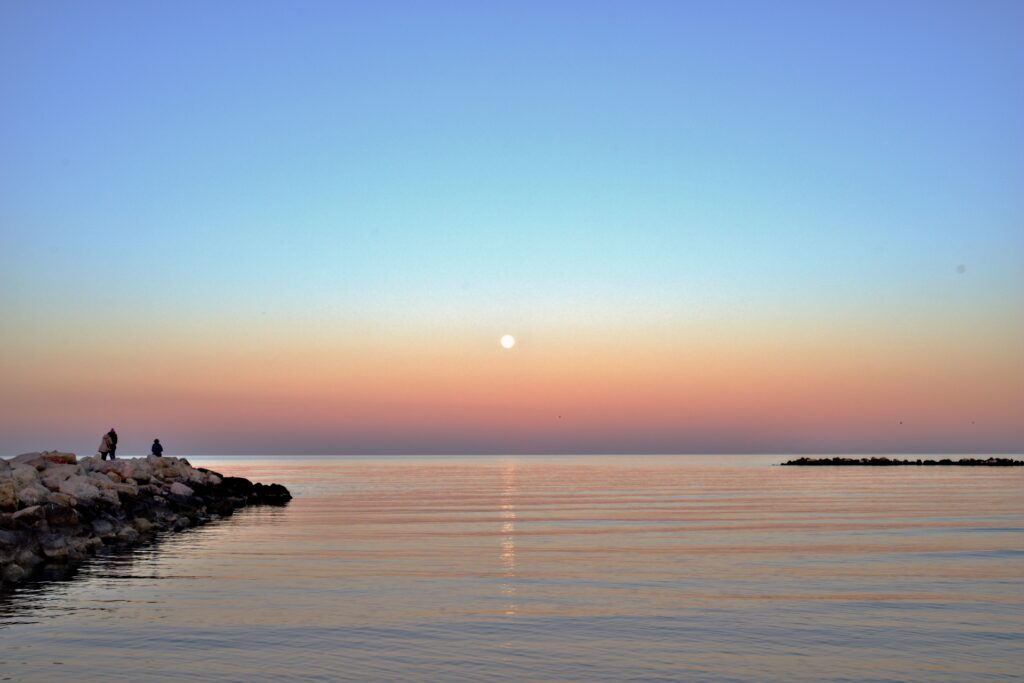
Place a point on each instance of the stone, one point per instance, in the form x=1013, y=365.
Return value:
x=62, y=499
x=33, y=494
x=109, y=497
x=11, y=539
x=58, y=457
x=24, y=475
x=115, y=477
x=54, y=546
x=103, y=528
x=29, y=515
x=85, y=545
x=126, y=489
x=60, y=515
x=80, y=488
x=52, y=476
x=26, y=457
x=142, y=525
x=179, y=489
x=100, y=480
x=13, y=573
x=27, y=558
x=8, y=495
x=140, y=470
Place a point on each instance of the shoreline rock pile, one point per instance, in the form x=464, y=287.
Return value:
x=888, y=462
x=57, y=508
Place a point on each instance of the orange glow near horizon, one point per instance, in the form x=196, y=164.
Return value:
x=670, y=390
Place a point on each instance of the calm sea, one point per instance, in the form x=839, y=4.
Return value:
x=654, y=568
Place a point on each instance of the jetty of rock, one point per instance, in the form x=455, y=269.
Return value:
x=883, y=462
x=55, y=507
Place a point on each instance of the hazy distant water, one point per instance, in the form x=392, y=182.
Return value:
x=556, y=569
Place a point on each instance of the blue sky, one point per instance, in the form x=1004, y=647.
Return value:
x=166, y=165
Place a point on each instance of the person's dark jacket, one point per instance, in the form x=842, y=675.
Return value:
x=157, y=448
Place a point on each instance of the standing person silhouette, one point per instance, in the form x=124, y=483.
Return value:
x=106, y=447
x=113, y=442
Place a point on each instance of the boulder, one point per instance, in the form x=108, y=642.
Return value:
x=109, y=497
x=28, y=558
x=24, y=475
x=269, y=494
x=26, y=457
x=30, y=515
x=11, y=539
x=54, y=546
x=62, y=499
x=139, y=470
x=100, y=481
x=179, y=489
x=126, y=490
x=103, y=528
x=53, y=475
x=8, y=495
x=33, y=494
x=80, y=488
x=60, y=515
x=58, y=457
x=13, y=573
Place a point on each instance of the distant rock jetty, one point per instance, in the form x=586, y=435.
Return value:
x=56, y=508
x=888, y=462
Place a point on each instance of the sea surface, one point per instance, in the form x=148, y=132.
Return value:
x=610, y=568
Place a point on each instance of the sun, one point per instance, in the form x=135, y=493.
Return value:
x=508, y=341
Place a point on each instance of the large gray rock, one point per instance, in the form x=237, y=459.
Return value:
x=170, y=468
x=81, y=488
x=33, y=494
x=53, y=475
x=179, y=489
x=25, y=457
x=100, y=481
x=24, y=475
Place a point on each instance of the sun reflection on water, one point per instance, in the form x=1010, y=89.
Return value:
x=508, y=539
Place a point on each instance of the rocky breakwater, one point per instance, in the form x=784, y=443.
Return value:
x=57, y=508
x=893, y=462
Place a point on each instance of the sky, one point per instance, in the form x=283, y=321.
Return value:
x=712, y=227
